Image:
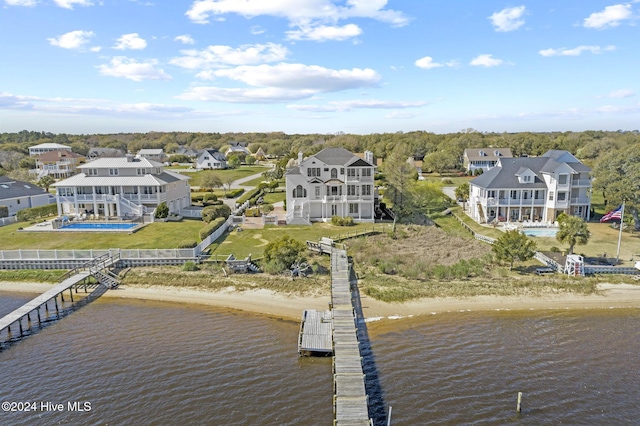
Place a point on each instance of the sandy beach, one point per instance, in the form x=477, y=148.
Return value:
x=268, y=303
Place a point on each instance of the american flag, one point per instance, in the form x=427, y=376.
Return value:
x=613, y=214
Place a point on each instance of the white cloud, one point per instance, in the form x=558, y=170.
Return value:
x=217, y=56
x=257, y=30
x=486, y=60
x=341, y=106
x=297, y=11
x=325, y=32
x=508, y=19
x=401, y=115
x=427, y=63
x=130, y=41
x=29, y=3
x=576, y=51
x=184, y=39
x=280, y=83
x=302, y=77
x=610, y=17
x=621, y=94
x=72, y=39
x=68, y=4
x=131, y=69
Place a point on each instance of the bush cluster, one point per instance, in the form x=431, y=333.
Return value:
x=233, y=193
x=252, y=195
x=342, y=221
x=190, y=265
x=162, y=211
x=187, y=244
x=37, y=212
x=210, y=213
x=211, y=227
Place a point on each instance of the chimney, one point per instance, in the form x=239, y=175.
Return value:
x=299, y=158
x=368, y=157
x=129, y=157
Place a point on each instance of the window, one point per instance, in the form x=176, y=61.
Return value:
x=562, y=196
x=526, y=178
x=92, y=172
x=538, y=194
x=352, y=190
x=550, y=195
x=366, y=172
x=351, y=172
x=334, y=173
x=353, y=208
x=113, y=172
x=18, y=200
x=139, y=172
x=342, y=170
x=317, y=192
x=313, y=172
x=299, y=192
x=562, y=179
x=491, y=194
x=366, y=189
x=514, y=195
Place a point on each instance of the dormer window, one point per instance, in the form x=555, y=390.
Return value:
x=497, y=153
x=482, y=154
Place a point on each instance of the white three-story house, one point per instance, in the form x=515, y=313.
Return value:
x=532, y=189
x=122, y=187
x=334, y=182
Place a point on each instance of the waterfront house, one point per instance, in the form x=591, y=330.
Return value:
x=334, y=182
x=211, y=159
x=57, y=164
x=483, y=158
x=122, y=187
x=17, y=195
x=535, y=189
x=156, y=155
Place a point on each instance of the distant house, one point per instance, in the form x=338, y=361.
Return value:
x=334, y=182
x=260, y=155
x=104, y=152
x=237, y=148
x=484, y=158
x=189, y=152
x=531, y=189
x=211, y=159
x=57, y=164
x=153, y=155
x=47, y=147
x=18, y=195
x=122, y=187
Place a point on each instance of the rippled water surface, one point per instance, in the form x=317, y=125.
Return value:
x=158, y=363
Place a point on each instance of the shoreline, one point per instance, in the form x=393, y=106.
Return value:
x=278, y=305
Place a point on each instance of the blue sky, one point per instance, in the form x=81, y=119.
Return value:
x=318, y=66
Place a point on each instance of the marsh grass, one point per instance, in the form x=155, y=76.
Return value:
x=32, y=275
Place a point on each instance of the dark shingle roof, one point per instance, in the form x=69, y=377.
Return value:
x=10, y=188
x=337, y=157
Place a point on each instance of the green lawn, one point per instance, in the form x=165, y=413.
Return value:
x=253, y=241
x=274, y=197
x=154, y=235
x=240, y=172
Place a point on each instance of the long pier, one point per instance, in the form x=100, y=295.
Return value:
x=98, y=269
x=350, y=397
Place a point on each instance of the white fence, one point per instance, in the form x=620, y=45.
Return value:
x=8, y=220
x=211, y=238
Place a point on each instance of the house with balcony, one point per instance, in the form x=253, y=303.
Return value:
x=211, y=159
x=58, y=164
x=123, y=187
x=535, y=189
x=483, y=158
x=47, y=147
x=334, y=182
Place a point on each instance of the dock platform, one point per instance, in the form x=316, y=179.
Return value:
x=315, y=333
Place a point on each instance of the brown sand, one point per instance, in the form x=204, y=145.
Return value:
x=273, y=304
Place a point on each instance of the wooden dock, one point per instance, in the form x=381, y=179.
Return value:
x=350, y=397
x=315, y=333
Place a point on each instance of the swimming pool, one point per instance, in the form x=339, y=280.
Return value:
x=540, y=232
x=98, y=227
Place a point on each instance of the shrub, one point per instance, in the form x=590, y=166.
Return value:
x=268, y=208
x=197, y=198
x=447, y=181
x=37, y=212
x=210, y=213
x=554, y=249
x=210, y=228
x=254, y=193
x=162, y=211
x=4, y=211
x=280, y=254
x=187, y=244
x=342, y=221
x=209, y=197
x=212, y=203
x=190, y=265
x=233, y=193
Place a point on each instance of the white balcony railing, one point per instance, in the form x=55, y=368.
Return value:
x=580, y=200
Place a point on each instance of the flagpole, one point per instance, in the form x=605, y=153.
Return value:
x=620, y=234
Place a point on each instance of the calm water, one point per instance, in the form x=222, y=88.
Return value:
x=155, y=363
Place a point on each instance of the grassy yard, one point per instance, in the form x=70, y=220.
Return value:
x=154, y=235
x=234, y=174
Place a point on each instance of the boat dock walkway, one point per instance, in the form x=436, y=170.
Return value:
x=350, y=396
x=98, y=269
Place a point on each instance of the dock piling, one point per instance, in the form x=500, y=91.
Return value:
x=519, y=406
